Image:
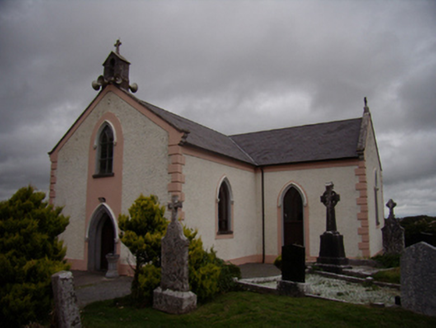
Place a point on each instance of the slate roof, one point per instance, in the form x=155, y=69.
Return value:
x=308, y=143
x=201, y=136
x=318, y=142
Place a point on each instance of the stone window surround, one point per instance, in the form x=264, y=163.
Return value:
x=96, y=146
x=230, y=208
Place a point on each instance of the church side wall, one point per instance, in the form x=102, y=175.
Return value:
x=374, y=176
x=311, y=179
x=200, y=190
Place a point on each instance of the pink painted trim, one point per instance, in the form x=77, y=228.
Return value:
x=362, y=215
x=312, y=165
x=53, y=168
x=209, y=156
x=247, y=259
x=253, y=259
x=232, y=218
x=108, y=187
x=79, y=265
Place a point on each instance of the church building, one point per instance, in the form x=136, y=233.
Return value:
x=247, y=194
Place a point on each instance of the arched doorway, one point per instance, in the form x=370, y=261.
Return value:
x=293, y=225
x=101, y=240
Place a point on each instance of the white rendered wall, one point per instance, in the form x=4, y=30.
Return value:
x=71, y=174
x=145, y=163
x=312, y=181
x=200, y=189
x=373, y=164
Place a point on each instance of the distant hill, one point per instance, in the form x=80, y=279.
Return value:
x=419, y=228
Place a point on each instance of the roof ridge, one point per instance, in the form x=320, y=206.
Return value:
x=295, y=127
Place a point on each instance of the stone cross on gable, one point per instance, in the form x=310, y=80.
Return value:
x=330, y=199
x=174, y=206
x=117, y=46
x=391, y=204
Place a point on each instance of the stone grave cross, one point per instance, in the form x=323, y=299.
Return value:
x=330, y=198
x=331, y=249
x=392, y=232
x=173, y=295
x=174, y=207
x=391, y=204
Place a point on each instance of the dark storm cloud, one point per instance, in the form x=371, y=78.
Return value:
x=235, y=66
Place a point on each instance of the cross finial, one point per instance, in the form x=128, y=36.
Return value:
x=391, y=204
x=117, y=46
x=174, y=206
x=365, y=108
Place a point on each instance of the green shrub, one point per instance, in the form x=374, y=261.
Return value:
x=142, y=233
x=148, y=280
x=30, y=253
x=388, y=260
x=229, y=272
x=392, y=276
x=278, y=262
x=204, y=270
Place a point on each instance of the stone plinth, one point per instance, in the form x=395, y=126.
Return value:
x=175, y=302
x=418, y=278
x=293, y=289
x=65, y=300
x=112, y=265
x=332, y=253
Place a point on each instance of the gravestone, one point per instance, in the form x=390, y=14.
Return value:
x=418, y=278
x=393, y=232
x=331, y=251
x=173, y=295
x=65, y=300
x=293, y=263
x=293, y=272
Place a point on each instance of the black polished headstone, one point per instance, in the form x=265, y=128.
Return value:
x=332, y=249
x=293, y=263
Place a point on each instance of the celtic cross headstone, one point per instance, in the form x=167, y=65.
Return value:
x=331, y=251
x=173, y=295
x=393, y=232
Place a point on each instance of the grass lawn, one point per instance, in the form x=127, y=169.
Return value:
x=246, y=309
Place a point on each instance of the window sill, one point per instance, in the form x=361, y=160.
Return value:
x=225, y=232
x=224, y=235
x=103, y=175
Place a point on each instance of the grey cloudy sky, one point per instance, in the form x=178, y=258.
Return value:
x=234, y=66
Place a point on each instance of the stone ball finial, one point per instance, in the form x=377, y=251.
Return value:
x=133, y=87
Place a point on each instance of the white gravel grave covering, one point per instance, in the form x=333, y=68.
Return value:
x=342, y=290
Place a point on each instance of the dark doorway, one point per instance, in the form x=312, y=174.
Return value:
x=107, y=241
x=293, y=230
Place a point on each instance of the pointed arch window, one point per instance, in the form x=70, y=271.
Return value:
x=225, y=208
x=105, y=152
